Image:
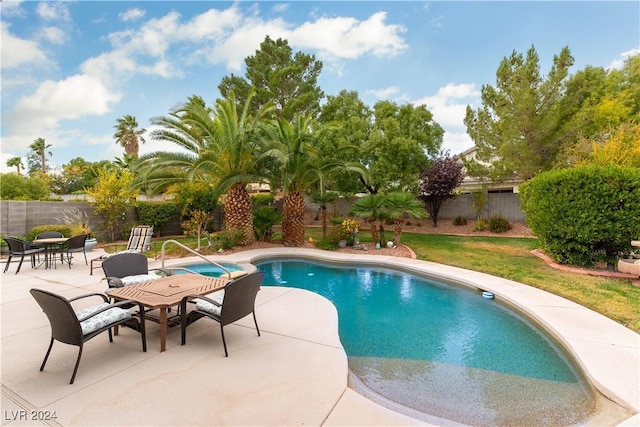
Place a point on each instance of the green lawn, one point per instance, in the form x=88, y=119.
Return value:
x=512, y=259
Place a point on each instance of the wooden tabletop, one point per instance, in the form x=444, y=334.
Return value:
x=50, y=240
x=169, y=291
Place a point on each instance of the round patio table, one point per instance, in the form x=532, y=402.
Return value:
x=52, y=245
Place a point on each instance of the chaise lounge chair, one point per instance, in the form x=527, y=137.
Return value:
x=139, y=241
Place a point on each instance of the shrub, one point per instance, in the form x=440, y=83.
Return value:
x=60, y=228
x=460, y=220
x=224, y=240
x=262, y=200
x=326, y=243
x=584, y=214
x=480, y=225
x=156, y=214
x=264, y=218
x=497, y=224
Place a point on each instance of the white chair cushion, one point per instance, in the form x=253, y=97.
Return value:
x=138, y=278
x=101, y=320
x=207, y=307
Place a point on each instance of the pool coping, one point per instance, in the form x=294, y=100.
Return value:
x=607, y=352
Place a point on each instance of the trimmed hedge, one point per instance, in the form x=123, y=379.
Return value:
x=156, y=214
x=584, y=214
x=60, y=228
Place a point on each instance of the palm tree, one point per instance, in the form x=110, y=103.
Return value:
x=219, y=147
x=15, y=161
x=293, y=148
x=39, y=147
x=399, y=205
x=128, y=135
x=369, y=208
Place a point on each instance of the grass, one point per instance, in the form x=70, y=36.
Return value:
x=510, y=258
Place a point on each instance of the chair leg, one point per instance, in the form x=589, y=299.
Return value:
x=75, y=370
x=46, y=356
x=256, y=322
x=20, y=264
x=6, y=267
x=224, y=343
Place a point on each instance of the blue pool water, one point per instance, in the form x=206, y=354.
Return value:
x=442, y=349
x=210, y=270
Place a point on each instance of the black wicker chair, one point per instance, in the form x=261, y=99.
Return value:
x=73, y=328
x=21, y=248
x=75, y=245
x=127, y=268
x=235, y=302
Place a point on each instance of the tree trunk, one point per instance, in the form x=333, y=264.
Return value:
x=238, y=213
x=293, y=223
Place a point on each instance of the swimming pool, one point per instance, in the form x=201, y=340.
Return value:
x=211, y=270
x=441, y=349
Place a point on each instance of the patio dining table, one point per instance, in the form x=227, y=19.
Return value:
x=51, y=245
x=167, y=292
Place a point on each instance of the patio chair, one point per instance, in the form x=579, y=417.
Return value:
x=21, y=248
x=234, y=303
x=139, y=241
x=76, y=328
x=75, y=245
x=128, y=268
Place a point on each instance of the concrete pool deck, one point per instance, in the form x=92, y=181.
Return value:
x=295, y=373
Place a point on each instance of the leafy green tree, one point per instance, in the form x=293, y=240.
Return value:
x=518, y=130
x=350, y=121
x=438, y=182
x=279, y=77
x=619, y=146
x=37, y=159
x=18, y=187
x=402, y=139
x=128, y=135
x=15, y=162
x=111, y=198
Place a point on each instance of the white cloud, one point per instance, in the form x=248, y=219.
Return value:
x=280, y=7
x=449, y=106
x=12, y=9
x=384, y=93
x=617, y=64
x=41, y=112
x=17, y=52
x=345, y=37
x=131, y=15
x=53, y=11
x=53, y=35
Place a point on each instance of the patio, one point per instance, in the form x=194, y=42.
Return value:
x=294, y=374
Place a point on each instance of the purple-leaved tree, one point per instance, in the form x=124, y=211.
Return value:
x=437, y=182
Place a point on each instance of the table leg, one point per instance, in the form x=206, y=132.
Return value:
x=163, y=328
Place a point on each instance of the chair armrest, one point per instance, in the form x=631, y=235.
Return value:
x=94, y=294
x=114, y=282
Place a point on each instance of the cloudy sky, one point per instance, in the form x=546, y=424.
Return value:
x=71, y=69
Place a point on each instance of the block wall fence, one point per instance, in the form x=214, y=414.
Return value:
x=18, y=217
